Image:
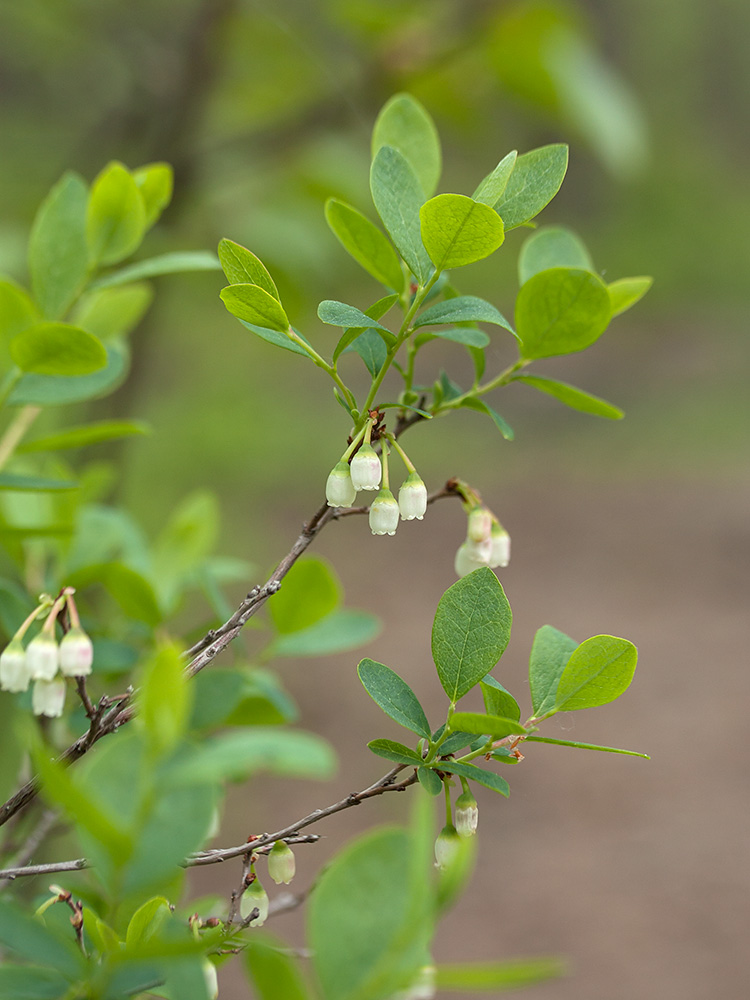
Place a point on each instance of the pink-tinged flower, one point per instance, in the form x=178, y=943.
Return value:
x=281, y=863
x=48, y=697
x=42, y=657
x=339, y=489
x=384, y=514
x=480, y=525
x=254, y=896
x=14, y=670
x=467, y=815
x=472, y=555
x=366, y=469
x=446, y=846
x=412, y=498
x=76, y=653
x=500, y=555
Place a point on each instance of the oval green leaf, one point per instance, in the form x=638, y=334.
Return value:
x=552, y=246
x=405, y=125
x=309, y=592
x=534, y=182
x=457, y=230
x=491, y=189
x=253, y=304
x=54, y=390
x=598, y=671
x=155, y=182
x=394, y=696
x=394, y=751
x=81, y=437
x=463, y=309
x=486, y=778
x=398, y=197
x=114, y=312
x=625, y=292
x=242, y=267
x=58, y=349
x=576, y=399
x=365, y=242
x=550, y=653
x=561, y=311
x=340, y=314
x=115, y=217
x=486, y=725
x=58, y=253
x=498, y=701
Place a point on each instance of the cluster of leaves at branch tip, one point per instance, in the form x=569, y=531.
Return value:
x=563, y=305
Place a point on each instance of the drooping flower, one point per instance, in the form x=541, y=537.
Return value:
x=384, y=514
x=14, y=670
x=339, y=489
x=76, y=653
x=254, y=896
x=281, y=863
x=412, y=498
x=472, y=555
x=366, y=469
x=48, y=697
x=447, y=846
x=467, y=815
x=500, y=555
x=42, y=657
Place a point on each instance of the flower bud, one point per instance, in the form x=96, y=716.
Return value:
x=384, y=514
x=14, y=671
x=366, y=469
x=500, y=555
x=480, y=525
x=281, y=863
x=76, y=653
x=412, y=498
x=48, y=697
x=339, y=489
x=467, y=815
x=471, y=556
x=254, y=896
x=42, y=657
x=446, y=846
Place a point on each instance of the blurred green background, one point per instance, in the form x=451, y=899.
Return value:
x=265, y=109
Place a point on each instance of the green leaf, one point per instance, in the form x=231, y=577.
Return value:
x=397, y=752
x=488, y=779
x=584, y=746
x=498, y=701
x=340, y=314
x=146, y=922
x=59, y=390
x=491, y=189
x=598, y=671
x=155, y=182
x=115, y=217
x=454, y=742
x=375, y=311
x=561, y=311
x=25, y=982
x=486, y=725
x=495, y=976
x=550, y=653
x=369, y=918
x=165, y=699
x=274, y=972
x=404, y=124
x=370, y=347
x=132, y=591
x=58, y=253
x=337, y=632
x=166, y=263
x=58, y=349
x=277, y=339
x=394, y=696
x=625, y=292
x=366, y=243
x=240, y=754
x=240, y=697
x=467, y=335
x=114, y=312
x=253, y=304
x=17, y=311
x=82, y=437
x=534, y=182
x=429, y=780
x=576, y=399
x=14, y=481
x=552, y=246
x=463, y=309
x=309, y=592
x=184, y=544
x=241, y=266
x=398, y=197
x=470, y=632
x=457, y=230
x=28, y=937
x=473, y=403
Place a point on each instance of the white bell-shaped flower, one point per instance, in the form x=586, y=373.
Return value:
x=467, y=815
x=412, y=498
x=76, y=653
x=480, y=525
x=339, y=489
x=14, y=670
x=472, y=555
x=384, y=514
x=48, y=697
x=446, y=846
x=42, y=657
x=366, y=469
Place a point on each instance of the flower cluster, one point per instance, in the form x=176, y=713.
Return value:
x=487, y=542
x=361, y=468
x=44, y=661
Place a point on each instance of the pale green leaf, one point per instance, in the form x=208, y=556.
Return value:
x=154, y=182
x=457, y=230
x=253, y=304
x=337, y=632
x=82, y=437
x=625, y=292
x=310, y=591
x=394, y=696
x=550, y=653
x=534, y=182
x=491, y=189
x=166, y=263
x=57, y=349
x=405, y=125
x=115, y=217
x=365, y=242
x=552, y=246
x=561, y=311
x=57, y=390
x=114, y=312
x=498, y=701
x=398, y=197
x=486, y=725
x=241, y=266
x=58, y=253
x=576, y=399
x=498, y=976
x=584, y=746
x=598, y=671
